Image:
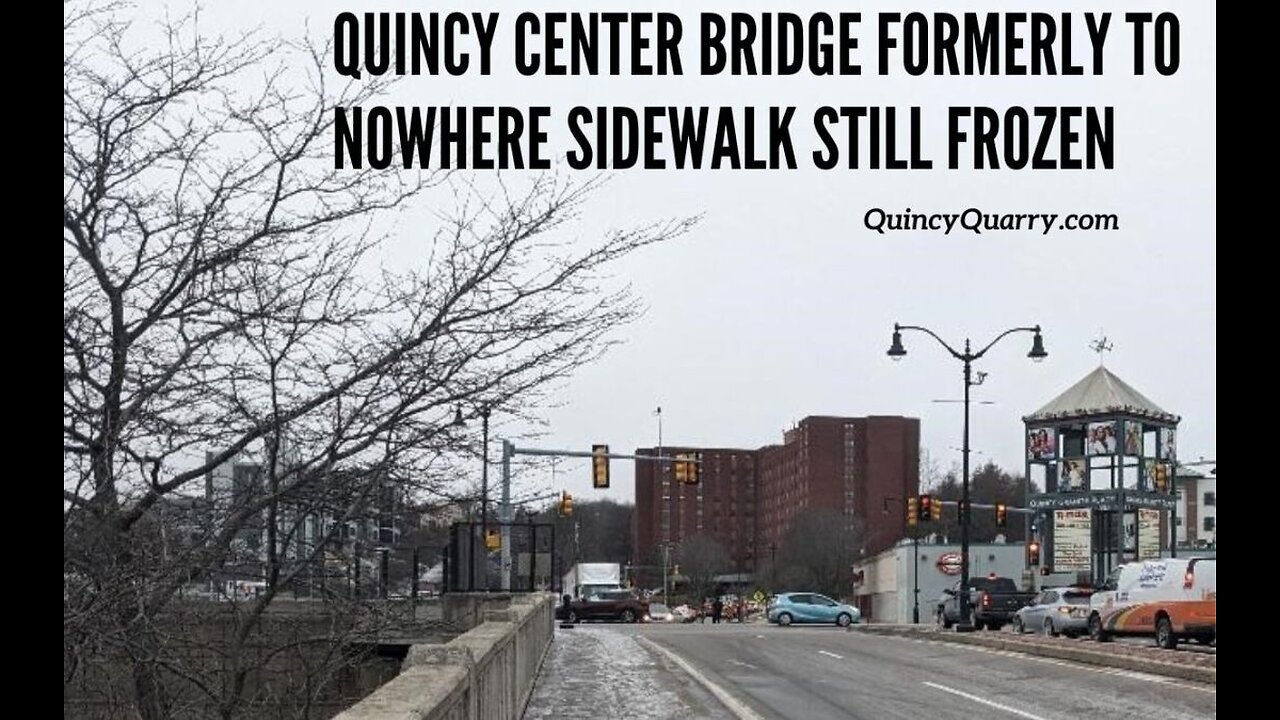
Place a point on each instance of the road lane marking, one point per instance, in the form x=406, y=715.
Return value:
x=760, y=636
x=830, y=654
x=744, y=664
x=984, y=701
x=734, y=705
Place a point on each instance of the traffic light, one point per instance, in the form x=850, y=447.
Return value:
x=926, y=508
x=1033, y=553
x=962, y=510
x=688, y=468
x=566, y=503
x=493, y=540
x=1002, y=515
x=1161, y=479
x=600, y=466
x=935, y=508
x=913, y=515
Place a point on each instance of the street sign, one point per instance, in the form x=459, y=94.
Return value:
x=1107, y=501
x=758, y=597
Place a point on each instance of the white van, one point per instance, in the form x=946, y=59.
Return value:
x=1171, y=599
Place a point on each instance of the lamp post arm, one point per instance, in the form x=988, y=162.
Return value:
x=958, y=355
x=1002, y=335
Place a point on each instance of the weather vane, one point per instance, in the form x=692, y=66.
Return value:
x=1101, y=346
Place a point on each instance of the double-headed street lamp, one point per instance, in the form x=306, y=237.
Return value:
x=459, y=421
x=897, y=351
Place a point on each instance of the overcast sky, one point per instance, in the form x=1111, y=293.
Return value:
x=781, y=305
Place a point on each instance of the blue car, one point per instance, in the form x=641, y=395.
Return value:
x=798, y=607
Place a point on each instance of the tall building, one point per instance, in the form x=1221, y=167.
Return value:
x=748, y=499
x=722, y=504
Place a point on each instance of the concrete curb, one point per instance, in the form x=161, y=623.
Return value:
x=732, y=704
x=1080, y=655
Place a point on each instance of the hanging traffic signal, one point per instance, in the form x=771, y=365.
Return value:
x=1162, y=477
x=1033, y=553
x=566, y=503
x=600, y=466
x=913, y=515
x=688, y=468
x=962, y=510
x=926, y=508
x=1002, y=515
x=935, y=509
x=492, y=539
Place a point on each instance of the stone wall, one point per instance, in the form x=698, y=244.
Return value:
x=487, y=673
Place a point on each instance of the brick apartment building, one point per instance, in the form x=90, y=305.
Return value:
x=748, y=499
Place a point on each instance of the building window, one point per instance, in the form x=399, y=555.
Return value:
x=1211, y=498
x=1178, y=522
x=1209, y=524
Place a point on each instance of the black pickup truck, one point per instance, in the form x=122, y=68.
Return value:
x=992, y=602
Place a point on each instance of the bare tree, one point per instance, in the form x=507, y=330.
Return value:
x=224, y=298
x=702, y=558
x=818, y=553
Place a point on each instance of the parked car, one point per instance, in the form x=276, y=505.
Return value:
x=1172, y=599
x=660, y=613
x=802, y=607
x=622, y=605
x=1056, y=611
x=685, y=614
x=993, y=601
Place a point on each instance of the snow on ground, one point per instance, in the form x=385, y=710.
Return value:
x=593, y=671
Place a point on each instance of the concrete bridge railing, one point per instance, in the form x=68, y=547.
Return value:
x=487, y=673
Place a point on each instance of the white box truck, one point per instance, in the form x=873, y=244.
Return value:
x=586, y=579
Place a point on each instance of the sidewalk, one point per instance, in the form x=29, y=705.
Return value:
x=593, y=671
x=1187, y=665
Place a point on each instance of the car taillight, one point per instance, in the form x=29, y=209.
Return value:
x=986, y=601
x=1188, y=580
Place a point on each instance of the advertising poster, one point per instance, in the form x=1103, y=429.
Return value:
x=1169, y=444
x=1040, y=444
x=1100, y=438
x=1133, y=438
x=1073, y=475
x=1148, y=534
x=1072, y=540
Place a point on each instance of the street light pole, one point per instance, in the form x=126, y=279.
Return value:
x=484, y=472
x=897, y=351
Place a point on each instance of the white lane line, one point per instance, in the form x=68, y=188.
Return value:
x=830, y=654
x=984, y=701
x=735, y=706
x=1119, y=672
x=760, y=636
x=744, y=664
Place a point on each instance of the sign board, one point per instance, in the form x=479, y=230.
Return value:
x=949, y=563
x=758, y=597
x=1072, y=539
x=1107, y=501
x=1148, y=534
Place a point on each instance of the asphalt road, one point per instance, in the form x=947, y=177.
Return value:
x=825, y=673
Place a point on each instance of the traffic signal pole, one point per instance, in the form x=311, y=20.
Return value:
x=505, y=509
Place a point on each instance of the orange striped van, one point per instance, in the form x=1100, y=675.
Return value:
x=1172, y=600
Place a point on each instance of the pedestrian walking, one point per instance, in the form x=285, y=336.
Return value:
x=717, y=608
